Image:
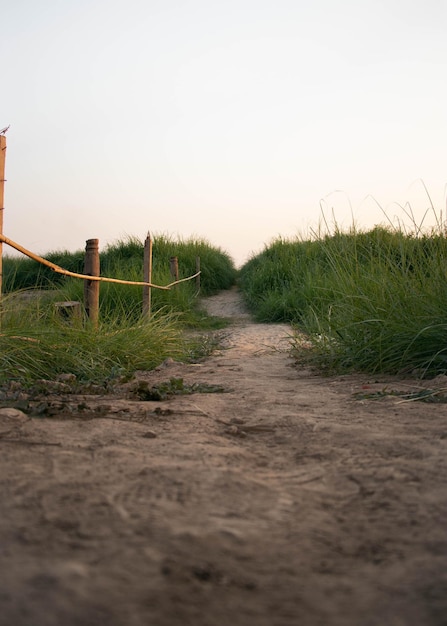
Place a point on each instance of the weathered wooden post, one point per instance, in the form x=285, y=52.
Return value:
x=91, y=287
x=147, y=275
x=173, y=266
x=197, y=272
x=70, y=311
x=2, y=190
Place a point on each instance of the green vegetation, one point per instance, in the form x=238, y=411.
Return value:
x=37, y=343
x=124, y=260
x=373, y=301
x=173, y=387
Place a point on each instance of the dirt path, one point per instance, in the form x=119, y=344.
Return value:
x=284, y=501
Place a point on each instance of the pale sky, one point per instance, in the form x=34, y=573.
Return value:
x=226, y=120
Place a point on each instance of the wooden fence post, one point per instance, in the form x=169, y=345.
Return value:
x=198, y=275
x=91, y=287
x=173, y=266
x=147, y=275
x=2, y=188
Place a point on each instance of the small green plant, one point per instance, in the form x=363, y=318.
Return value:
x=172, y=387
x=431, y=396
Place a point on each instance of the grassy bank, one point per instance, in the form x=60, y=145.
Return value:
x=373, y=301
x=35, y=342
x=122, y=256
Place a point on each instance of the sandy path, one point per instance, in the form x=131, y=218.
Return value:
x=284, y=501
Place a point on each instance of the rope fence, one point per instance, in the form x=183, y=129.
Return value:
x=91, y=276
x=104, y=279
x=91, y=291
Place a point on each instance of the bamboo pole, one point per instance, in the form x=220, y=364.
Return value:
x=2, y=195
x=91, y=287
x=147, y=276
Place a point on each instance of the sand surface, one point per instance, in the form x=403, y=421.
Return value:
x=286, y=499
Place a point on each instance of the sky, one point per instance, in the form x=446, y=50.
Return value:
x=236, y=121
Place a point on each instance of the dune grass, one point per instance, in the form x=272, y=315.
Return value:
x=124, y=259
x=374, y=301
x=35, y=342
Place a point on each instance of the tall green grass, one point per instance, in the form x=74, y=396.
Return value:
x=124, y=258
x=373, y=301
x=35, y=342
